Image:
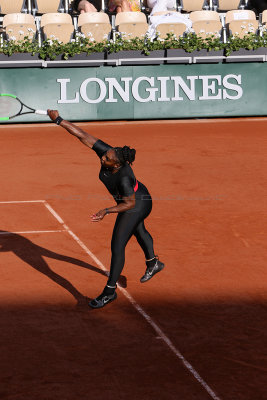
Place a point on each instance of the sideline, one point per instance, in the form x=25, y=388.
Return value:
x=138, y=308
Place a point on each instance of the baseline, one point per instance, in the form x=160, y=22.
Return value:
x=20, y=232
x=22, y=201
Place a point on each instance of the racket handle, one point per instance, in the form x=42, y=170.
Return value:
x=42, y=112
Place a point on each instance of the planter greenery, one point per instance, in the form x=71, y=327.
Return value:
x=52, y=49
x=26, y=46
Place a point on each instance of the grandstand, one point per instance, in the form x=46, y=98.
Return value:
x=58, y=20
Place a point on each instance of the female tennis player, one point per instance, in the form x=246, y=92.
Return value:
x=134, y=204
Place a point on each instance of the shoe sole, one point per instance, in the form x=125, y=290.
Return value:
x=105, y=304
x=163, y=265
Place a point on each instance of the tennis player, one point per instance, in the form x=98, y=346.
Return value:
x=134, y=204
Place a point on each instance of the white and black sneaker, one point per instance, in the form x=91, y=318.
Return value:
x=106, y=297
x=152, y=270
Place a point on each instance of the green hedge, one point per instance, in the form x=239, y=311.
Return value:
x=50, y=49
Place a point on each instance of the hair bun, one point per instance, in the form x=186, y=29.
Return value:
x=128, y=154
x=125, y=154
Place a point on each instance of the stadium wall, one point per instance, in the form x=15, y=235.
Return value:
x=141, y=92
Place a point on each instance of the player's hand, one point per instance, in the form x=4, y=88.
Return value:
x=53, y=114
x=98, y=216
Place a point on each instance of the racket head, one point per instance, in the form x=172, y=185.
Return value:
x=10, y=106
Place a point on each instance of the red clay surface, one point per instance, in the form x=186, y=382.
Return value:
x=208, y=181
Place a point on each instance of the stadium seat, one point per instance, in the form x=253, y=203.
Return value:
x=133, y=24
x=227, y=5
x=57, y=26
x=95, y=25
x=241, y=22
x=12, y=6
x=177, y=28
x=18, y=25
x=48, y=6
x=206, y=23
x=193, y=5
x=264, y=20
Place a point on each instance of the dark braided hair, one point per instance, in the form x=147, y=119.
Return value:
x=125, y=154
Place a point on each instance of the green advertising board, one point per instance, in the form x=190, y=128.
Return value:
x=141, y=92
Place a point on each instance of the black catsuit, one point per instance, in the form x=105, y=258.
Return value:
x=128, y=223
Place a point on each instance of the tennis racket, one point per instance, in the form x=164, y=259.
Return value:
x=11, y=106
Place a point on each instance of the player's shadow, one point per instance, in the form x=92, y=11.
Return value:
x=33, y=255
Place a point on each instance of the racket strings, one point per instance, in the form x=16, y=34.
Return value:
x=9, y=106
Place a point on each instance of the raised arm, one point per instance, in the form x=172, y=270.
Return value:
x=84, y=137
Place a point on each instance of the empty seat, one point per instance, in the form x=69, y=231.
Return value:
x=48, y=6
x=57, y=26
x=95, y=25
x=133, y=24
x=241, y=22
x=264, y=19
x=12, y=6
x=206, y=23
x=193, y=5
x=226, y=5
x=169, y=22
x=18, y=26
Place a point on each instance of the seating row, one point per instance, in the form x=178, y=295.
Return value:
x=206, y=23
x=34, y=6
x=97, y=25
x=56, y=26
x=215, y=5
x=53, y=6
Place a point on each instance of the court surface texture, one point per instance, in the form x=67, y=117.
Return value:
x=198, y=329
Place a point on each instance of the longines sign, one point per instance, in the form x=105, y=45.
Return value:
x=141, y=92
x=214, y=87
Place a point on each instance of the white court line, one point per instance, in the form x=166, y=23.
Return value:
x=138, y=308
x=23, y=201
x=81, y=244
x=12, y=233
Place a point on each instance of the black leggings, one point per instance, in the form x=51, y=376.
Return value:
x=127, y=224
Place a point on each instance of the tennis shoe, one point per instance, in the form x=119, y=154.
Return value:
x=103, y=300
x=152, y=270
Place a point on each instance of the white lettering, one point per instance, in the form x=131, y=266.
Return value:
x=211, y=87
x=144, y=89
x=231, y=86
x=151, y=91
x=102, y=89
x=63, y=92
x=124, y=93
x=189, y=91
x=163, y=88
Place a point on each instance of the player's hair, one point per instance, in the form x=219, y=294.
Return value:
x=125, y=154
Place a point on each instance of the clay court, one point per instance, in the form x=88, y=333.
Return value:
x=196, y=331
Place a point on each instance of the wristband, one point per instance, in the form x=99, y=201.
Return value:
x=107, y=211
x=58, y=120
